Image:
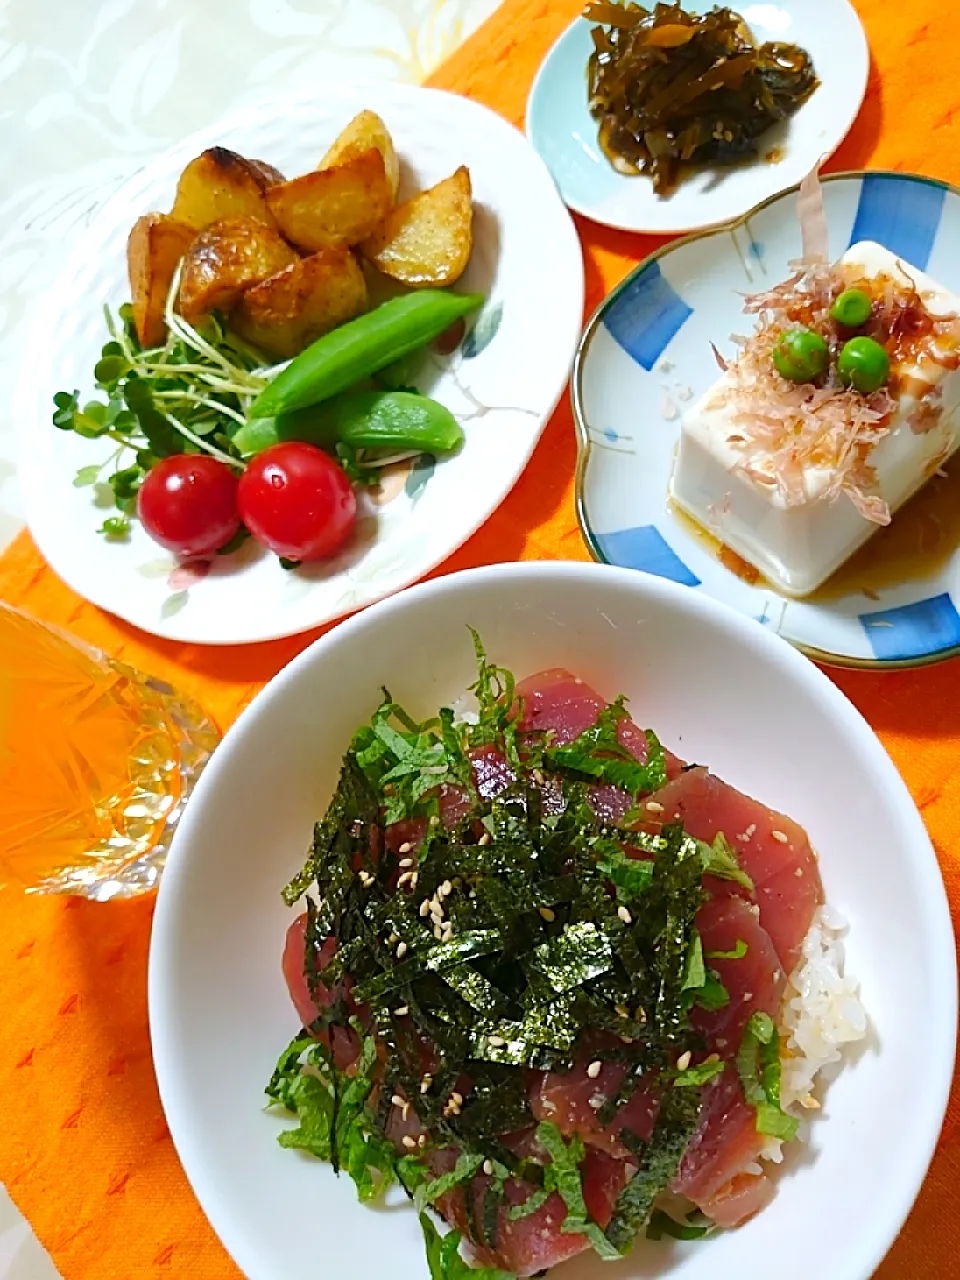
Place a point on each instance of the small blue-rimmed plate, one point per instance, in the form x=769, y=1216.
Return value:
x=646, y=354
x=561, y=129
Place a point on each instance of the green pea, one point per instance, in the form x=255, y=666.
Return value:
x=801, y=355
x=863, y=364
x=852, y=308
x=343, y=357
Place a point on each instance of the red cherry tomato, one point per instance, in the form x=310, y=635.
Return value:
x=296, y=500
x=188, y=503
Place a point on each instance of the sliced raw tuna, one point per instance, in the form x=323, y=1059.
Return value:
x=556, y=700
x=724, y=1145
x=530, y=1245
x=344, y=1041
x=773, y=850
x=755, y=982
x=572, y=1100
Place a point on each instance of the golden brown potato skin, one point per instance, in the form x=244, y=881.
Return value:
x=286, y=312
x=364, y=131
x=155, y=246
x=333, y=208
x=222, y=184
x=227, y=258
x=427, y=241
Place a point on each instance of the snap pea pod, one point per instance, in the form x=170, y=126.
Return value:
x=391, y=421
x=341, y=358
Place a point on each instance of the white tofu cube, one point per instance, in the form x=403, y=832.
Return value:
x=798, y=547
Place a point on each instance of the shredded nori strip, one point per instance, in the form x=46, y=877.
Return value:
x=494, y=945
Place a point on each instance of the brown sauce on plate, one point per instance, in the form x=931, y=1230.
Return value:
x=917, y=543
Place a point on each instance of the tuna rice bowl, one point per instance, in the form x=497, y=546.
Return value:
x=559, y=986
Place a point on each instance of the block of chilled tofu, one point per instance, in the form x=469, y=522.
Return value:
x=798, y=539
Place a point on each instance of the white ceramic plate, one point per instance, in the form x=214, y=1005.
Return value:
x=717, y=689
x=646, y=353
x=502, y=383
x=561, y=128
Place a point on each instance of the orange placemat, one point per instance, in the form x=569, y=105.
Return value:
x=83, y=1145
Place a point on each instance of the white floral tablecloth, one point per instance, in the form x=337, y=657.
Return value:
x=89, y=90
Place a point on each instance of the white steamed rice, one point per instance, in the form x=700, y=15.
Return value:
x=821, y=1015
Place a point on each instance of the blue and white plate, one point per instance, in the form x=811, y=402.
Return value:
x=646, y=354
x=561, y=129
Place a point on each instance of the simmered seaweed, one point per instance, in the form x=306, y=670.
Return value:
x=673, y=89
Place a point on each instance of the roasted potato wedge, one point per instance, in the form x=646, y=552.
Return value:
x=286, y=312
x=364, y=131
x=336, y=207
x=227, y=258
x=222, y=184
x=155, y=245
x=427, y=241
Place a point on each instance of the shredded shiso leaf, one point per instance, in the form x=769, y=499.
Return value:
x=508, y=927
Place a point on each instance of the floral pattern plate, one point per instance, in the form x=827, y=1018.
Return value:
x=646, y=354
x=500, y=385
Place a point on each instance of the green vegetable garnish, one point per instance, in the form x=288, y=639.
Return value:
x=863, y=364
x=851, y=308
x=394, y=423
x=801, y=355
x=758, y=1065
x=361, y=347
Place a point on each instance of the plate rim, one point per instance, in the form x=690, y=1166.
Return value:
x=26, y=393
x=632, y=227
x=824, y=656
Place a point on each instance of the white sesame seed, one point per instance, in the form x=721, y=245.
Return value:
x=406, y=847
x=414, y=877
x=408, y=1142
x=397, y=1100
x=714, y=1057
x=393, y=939
x=538, y=777
x=422, y=1141
x=425, y=908
x=594, y=1070
x=404, y=878
x=684, y=1061
x=810, y=1103
x=438, y=933
x=405, y=862
x=799, y=873
x=401, y=1012
x=640, y=1015
x=548, y=915
x=624, y=915
x=653, y=806
x=485, y=838
x=426, y=1082
x=495, y=1041
x=445, y=889
x=781, y=837
x=401, y=950
x=622, y=1009
x=457, y=1098
x=488, y=1168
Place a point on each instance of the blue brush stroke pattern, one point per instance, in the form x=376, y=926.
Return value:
x=901, y=214
x=645, y=317
x=913, y=630
x=645, y=548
